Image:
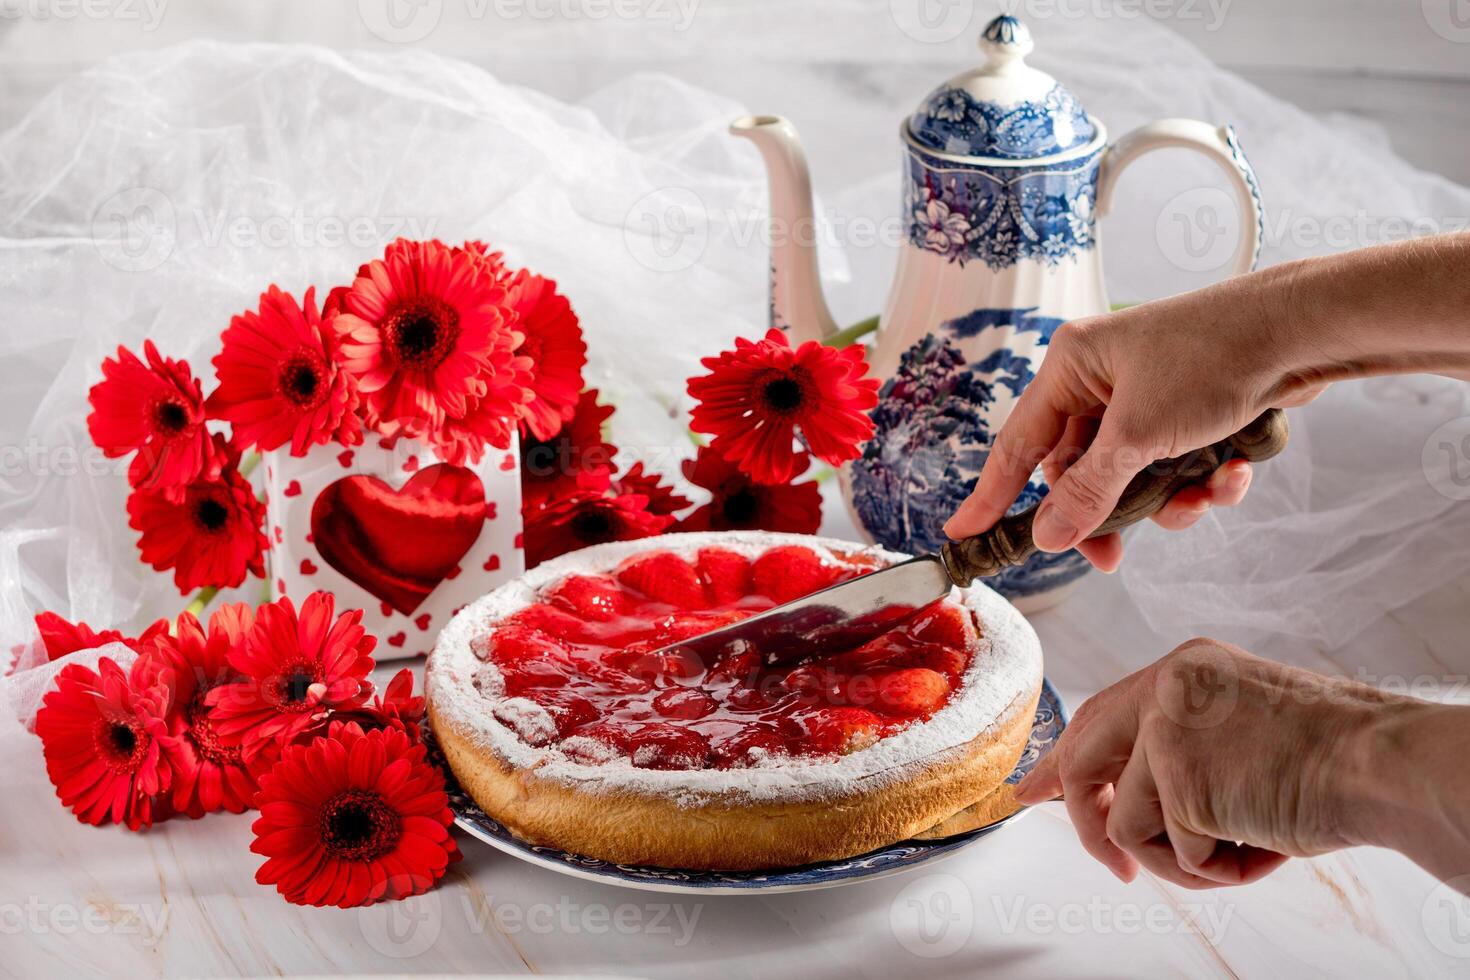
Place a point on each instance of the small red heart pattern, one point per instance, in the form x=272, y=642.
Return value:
x=394, y=531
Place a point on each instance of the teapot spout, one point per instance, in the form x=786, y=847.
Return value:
x=797, y=304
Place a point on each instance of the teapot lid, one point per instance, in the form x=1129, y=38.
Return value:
x=1005, y=108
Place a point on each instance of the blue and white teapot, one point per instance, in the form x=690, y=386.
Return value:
x=1006, y=176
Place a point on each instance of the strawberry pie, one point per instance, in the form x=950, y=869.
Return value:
x=564, y=716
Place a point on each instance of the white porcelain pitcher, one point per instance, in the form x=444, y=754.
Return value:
x=1005, y=179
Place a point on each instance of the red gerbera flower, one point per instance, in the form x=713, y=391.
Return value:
x=555, y=346
x=576, y=459
x=103, y=736
x=397, y=707
x=157, y=410
x=662, y=499
x=461, y=440
x=739, y=503
x=491, y=264
x=353, y=819
x=279, y=381
x=589, y=518
x=208, y=774
x=209, y=533
x=426, y=333
x=292, y=670
x=60, y=638
x=757, y=397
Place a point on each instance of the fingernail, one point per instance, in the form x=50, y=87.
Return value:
x=1053, y=527
x=1238, y=478
x=1188, y=518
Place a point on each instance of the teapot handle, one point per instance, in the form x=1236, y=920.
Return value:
x=1219, y=143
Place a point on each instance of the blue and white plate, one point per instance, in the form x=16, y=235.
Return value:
x=1051, y=719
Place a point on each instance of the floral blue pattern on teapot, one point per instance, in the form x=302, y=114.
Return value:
x=1004, y=180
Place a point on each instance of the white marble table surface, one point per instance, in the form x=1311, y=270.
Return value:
x=181, y=900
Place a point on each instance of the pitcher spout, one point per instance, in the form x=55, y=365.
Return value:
x=797, y=303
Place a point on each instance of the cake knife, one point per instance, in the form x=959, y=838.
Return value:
x=850, y=613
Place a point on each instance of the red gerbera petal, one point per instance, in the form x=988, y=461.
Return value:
x=156, y=410
x=555, y=347
x=292, y=670
x=739, y=503
x=353, y=819
x=589, y=518
x=61, y=638
x=208, y=774
x=397, y=707
x=662, y=499
x=209, y=532
x=576, y=459
x=491, y=264
x=761, y=395
x=426, y=333
x=279, y=380
x=103, y=735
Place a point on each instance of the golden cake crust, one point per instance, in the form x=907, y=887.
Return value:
x=636, y=828
x=654, y=818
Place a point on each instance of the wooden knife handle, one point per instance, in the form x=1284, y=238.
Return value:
x=1009, y=542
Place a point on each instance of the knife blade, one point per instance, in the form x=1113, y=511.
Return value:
x=847, y=615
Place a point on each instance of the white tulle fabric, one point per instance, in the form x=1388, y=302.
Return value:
x=262, y=164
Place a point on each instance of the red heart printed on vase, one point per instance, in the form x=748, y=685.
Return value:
x=399, y=544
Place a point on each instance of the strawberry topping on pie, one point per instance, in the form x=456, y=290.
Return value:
x=587, y=653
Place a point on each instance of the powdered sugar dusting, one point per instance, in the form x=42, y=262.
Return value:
x=527, y=719
x=1006, y=665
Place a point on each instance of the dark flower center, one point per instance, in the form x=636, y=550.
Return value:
x=170, y=417
x=783, y=394
x=120, y=744
x=292, y=687
x=358, y=825
x=592, y=526
x=206, y=740
x=741, y=507
x=301, y=379
x=421, y=333
x=211, y=514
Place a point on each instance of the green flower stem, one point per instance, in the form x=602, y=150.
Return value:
x=201, y=601
x=851, y=335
